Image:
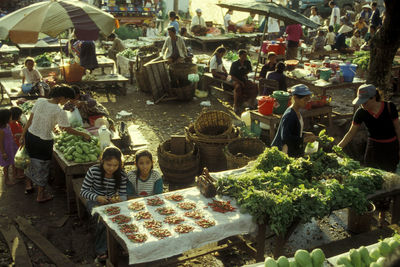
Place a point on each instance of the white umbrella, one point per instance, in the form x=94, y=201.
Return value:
x=52, y=18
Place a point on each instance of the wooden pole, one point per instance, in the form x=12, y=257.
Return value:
x=259, y=52
x=176, y=6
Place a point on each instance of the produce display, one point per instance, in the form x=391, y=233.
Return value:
x=187, y=205
x=278, y=189
x=155, y=201
x=165, y=211
x=204, y=223
x=45, y=60
x=137, y=238
x=231, y=56
x=173, y=220
x=160, y=233
x=76, y=149
x=183, y=229
x=121, y=219
x=143, y=215
x=129, y=53
x=27, y=106
x=362, y=59
x=221, y=206
x=128, y=228
x=136, y=206
x=374, y=258
x=195, y=214
x=112, y=210
x=174, y=197
x=302, y=258
x=152, y=224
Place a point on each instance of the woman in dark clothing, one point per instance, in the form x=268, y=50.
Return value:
x=382, y=122
x=269, y=65
x=290, y=135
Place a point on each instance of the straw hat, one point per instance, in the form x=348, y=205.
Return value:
x=345, y=29
x=366, y=6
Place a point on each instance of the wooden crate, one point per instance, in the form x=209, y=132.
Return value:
x=159, y=80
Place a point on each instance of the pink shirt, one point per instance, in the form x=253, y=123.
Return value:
x=294, y=32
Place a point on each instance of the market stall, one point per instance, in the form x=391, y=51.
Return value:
x=41, y=47
x=109, y=82
x=6, y=50
x=155, y=228
x=203, y=41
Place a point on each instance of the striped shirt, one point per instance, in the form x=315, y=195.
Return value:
x=92, y=186
x=149, y=187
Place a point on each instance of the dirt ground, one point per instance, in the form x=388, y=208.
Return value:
x=157, y=123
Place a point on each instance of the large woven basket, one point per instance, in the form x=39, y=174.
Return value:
x=211, y=150
x=179, y=169
x=179, y=71
x=241, y=151
x=184, y=93
x=213, y=124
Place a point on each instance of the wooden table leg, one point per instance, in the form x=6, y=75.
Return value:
x=271, y=131
x=395, y=210
x=112, y=246
x=70, y=192
x=262, y=228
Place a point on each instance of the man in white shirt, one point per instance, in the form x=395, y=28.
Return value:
x=174, y=48
x=228, y=23
x=198, y=25
x=316, y=18
x=335, y=16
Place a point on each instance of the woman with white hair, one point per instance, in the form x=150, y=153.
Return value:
x=198, y=25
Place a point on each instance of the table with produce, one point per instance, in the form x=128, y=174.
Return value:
x=280, y=192
x=74, y=156
x=228, y=37
x=158, y=227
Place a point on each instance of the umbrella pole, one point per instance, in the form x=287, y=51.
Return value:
x=62, y=70
x=259, y=52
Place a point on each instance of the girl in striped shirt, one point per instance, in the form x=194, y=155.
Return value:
x=144, y=181
x=104, y=184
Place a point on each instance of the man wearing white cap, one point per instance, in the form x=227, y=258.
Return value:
x=198, y=25
x=382, y=122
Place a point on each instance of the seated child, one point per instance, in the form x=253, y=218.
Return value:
x=330, y=36
x=30, y=75
x=356, y=41
x=104, y=184
x=144, y=181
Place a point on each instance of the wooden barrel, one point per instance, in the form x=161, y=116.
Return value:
x=179, y=72
x=241, y=151
x=179, y=169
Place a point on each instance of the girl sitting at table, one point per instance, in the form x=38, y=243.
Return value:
x=144, y=181
x=104, y=184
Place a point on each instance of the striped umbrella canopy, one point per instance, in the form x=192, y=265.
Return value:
x=52, y=18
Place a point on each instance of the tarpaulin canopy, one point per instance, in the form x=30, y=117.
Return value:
x=274, y=10
x=53, y=17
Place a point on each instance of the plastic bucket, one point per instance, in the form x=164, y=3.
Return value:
x=265, y=105
x=273, y=48
x=282, y=98
x=264, y=47
x=349, y=71
x=325, y=73
x=73, y=72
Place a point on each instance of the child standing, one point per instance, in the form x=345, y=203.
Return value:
x=8, y=148
x=144, y=181
x=16, y=130
x=104, y=184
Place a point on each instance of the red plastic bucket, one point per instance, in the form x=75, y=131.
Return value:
x=265, y=105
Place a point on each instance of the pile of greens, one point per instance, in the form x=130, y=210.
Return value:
x=362, y=59
x=231, y=56
x=129, y=53
x=44, y=60
x=278, y=189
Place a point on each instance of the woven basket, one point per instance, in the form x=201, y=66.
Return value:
x=179, y=71
x=213, y=124
x=185, y=93
x=241, y=151
x=211, y=150
x=179, y=169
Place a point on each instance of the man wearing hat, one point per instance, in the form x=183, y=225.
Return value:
x=366, y=13
x=198, y=25
x=340, y=41
x=290, y=137
x=382, y=123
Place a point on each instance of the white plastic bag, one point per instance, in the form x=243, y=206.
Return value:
x=75, y=118
x=22, y=159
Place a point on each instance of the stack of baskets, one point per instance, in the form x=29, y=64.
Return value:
x=182, y=88
x=241, y=151
x=179, y=169
x=211, y=132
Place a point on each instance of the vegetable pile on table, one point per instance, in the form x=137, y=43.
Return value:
x=76, y=149
x=362, y=59
x=231, y=56
x=44, y=60
x=280, y=190
x=302, y=258
x=27, y=106
x=129, y=53
x=375, y=257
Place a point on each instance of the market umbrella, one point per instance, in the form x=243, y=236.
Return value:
x=274, y=10
x=54, y=17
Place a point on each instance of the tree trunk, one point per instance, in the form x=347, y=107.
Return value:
x=383, y=48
